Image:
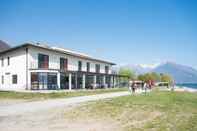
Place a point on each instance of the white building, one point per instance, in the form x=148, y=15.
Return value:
x=36, y=66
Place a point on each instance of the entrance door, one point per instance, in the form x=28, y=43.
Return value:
x=64, y=81
x=89, y=81
x=79, y=81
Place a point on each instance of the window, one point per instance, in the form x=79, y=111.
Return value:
x=63, y=64
x=43, y=61
x=38, y=80
x=97, y=68
x=34, y=81
x=43, y=80
x=2, y=62
x=2, y=79
x=52, y=81
x=79, y=66
x=106, y=69
x=14, y=79
x=8, y=61
x=88, y=67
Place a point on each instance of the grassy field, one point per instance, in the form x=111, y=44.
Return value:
x=156, y=111
x=40, y=96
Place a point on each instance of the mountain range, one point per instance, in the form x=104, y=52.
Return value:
x=3, y=46
x=180, y=73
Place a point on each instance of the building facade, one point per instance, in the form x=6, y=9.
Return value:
x=40, y=67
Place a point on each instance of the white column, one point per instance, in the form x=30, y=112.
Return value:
x=70, y=81
x=84, y=81
x=104, y=82
x=76, y=81
x=118, y=82
x=111, y=81
x=28, y=81
x=94, y=84
x=58, y=80
x=114, y=81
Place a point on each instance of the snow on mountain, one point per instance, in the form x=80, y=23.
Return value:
x=181, y=73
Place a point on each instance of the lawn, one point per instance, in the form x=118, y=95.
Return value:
x=156, y=111
x=40, y=96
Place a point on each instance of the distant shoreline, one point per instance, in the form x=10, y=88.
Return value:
x=188, y=85
x=188, y=89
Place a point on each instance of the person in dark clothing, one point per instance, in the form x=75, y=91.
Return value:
x=133, y=87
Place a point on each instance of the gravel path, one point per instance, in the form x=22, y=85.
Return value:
x=54, y=119
x=26, y=107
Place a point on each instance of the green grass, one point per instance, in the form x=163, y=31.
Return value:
x=40, y=96
x=156, y=111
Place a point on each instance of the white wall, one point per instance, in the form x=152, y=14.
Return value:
x=54, y=60
x=17, y=67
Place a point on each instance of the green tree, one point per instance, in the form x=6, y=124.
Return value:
x=155, y=77
x=141, y=77
x=166, y=78
x=149, y=76
x=127, y=72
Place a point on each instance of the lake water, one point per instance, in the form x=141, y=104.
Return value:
x=188, y=85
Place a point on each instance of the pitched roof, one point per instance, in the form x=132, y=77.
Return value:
x=59, y=50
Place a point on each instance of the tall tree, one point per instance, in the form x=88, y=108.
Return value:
x=166, y=78
x=127, y=72
x=141, y=77
x=155, y=77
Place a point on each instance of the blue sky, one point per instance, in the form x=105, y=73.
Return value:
x=124, y=31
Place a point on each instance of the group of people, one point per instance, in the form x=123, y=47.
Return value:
x=143, y=85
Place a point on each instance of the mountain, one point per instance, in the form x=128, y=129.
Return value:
x=138, y=69
x=3, y=46
x=181, y=73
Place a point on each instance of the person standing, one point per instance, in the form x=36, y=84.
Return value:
x=145, y=87
x=150, y=84
x=173, y=86
x=130, y=86
x=133, y=87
